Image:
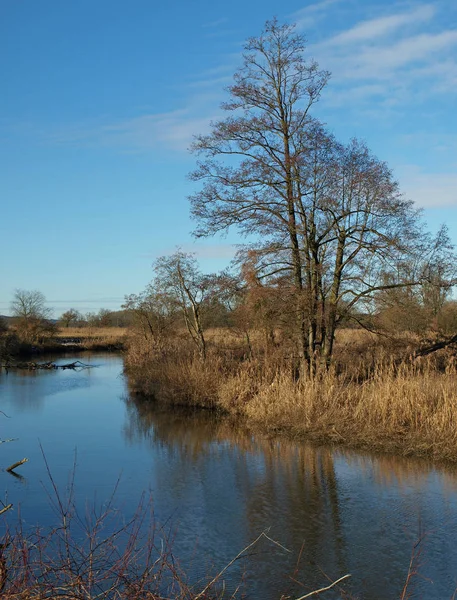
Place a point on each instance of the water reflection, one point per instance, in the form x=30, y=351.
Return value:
x=338, y=512
x=217, y=486
x=28, y=390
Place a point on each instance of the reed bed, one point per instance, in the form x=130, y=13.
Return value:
x=370, y=401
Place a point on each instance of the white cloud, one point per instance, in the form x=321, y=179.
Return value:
x=375, y=28
x=382, y=60
x=309, y=15
x=428, y=190
x=405, y=51
x=172, y=130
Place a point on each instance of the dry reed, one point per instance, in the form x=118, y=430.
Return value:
x=373, y=401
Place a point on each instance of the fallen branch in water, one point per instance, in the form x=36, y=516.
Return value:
x=32, y=366
x=17, y=464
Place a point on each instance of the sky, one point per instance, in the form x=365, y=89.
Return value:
x=100, y=99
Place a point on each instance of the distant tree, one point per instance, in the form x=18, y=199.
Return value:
x=29, y=304
x=32, y=316
x=153, y=312
x=105, y=317
x=91, y=319
x=70, y=317
x=3, y=326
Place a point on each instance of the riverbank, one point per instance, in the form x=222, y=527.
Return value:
x=406, y=408
x=73, y=340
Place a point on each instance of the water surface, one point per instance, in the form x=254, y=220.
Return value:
x=217, y=488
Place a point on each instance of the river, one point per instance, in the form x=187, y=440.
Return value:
x=216, y=488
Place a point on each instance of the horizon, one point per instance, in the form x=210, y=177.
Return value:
x=102, y=102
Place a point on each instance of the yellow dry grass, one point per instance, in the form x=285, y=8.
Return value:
x=409, y=408
x=92, y=332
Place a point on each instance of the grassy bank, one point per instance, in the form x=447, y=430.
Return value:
x=367, y=401
x=71, y=339
x=92, y=338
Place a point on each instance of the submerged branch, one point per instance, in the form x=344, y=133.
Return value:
x=17, y=464
x=32, y=366
x=4, y=509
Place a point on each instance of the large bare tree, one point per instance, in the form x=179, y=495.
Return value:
x=325, y=217
x=269, y=104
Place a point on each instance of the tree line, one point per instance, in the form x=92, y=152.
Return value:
x=32, y=321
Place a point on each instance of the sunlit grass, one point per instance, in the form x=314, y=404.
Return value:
x=371, y=400
x=92, y=332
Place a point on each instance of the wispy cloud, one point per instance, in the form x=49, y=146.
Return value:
x=216, y=251
x=382, y=26
x=309, y=15
x=215, y=23
x=428, y=189
x=169, y=131
x=102, y=299
x=406, y=51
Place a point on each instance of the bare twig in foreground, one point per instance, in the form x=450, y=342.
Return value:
x=238, y=556
x=324, y=589
x=5, y=508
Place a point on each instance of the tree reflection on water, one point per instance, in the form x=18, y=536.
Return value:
x=336, y=511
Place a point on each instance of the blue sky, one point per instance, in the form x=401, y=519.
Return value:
x=100, y=100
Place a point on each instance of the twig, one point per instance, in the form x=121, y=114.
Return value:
x=17, y=464
x=5, y=508
x=324, y=589
x=239, y=555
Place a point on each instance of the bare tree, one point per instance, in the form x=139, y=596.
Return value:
x=270, y=102
x=330, y=218
x=154, y=313
x=31, y=314
x=69, y=317
x=105, y=317
x=178, y=276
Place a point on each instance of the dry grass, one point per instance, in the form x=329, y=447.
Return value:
x=95, y=338
x=408, y=410
x=370, y=401
x=92, y=332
